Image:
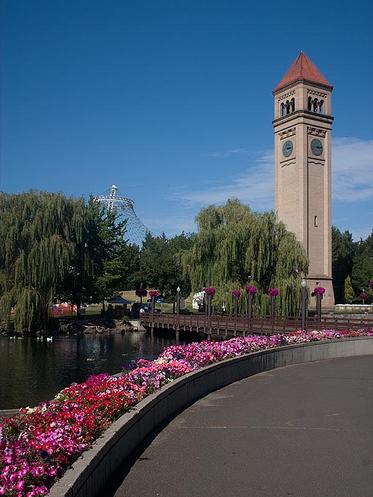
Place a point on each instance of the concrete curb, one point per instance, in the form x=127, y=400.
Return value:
x=94, y=469
x=7, y=413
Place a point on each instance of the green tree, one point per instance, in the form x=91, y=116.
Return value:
x=342, y=260
x=349, y=293
x=38, y=235
x=362, y=270
x=160, y=265
x=95, y=272
x=234, y=243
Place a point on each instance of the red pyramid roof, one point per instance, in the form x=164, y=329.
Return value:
x=302, y=69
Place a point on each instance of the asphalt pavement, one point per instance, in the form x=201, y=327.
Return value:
x=299, y=431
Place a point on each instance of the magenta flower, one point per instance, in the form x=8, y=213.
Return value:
x=210, y=291
x=236, y=294
x=318, y=290
x=364, y=296
x=251, y=289
x=273, y=292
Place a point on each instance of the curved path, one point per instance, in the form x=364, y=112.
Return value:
x=302, y=431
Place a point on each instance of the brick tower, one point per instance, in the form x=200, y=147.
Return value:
x=302, y=127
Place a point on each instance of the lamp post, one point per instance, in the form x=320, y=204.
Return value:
x=177, y=331
x=209, y=293
x=178, y=289
x=273, y=292
x=318, y=292
x=251, y=291
x=236, y=295
x=304, y=295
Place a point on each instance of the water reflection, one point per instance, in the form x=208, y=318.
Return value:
x=33, y=370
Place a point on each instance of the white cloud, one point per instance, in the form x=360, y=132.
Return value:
x=255, y=187
x=227, y=153
x=171, y=224
x=352, y=168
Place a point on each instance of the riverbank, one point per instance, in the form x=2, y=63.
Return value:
x=89, y=325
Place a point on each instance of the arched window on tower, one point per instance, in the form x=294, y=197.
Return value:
x=315, y=105
x=287, y=107
x=293, y=104
x=321, y=106
x=282, y=109
x=309, y=104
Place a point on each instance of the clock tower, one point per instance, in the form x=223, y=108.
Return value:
x=302, y=126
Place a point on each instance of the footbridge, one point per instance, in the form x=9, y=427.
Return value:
x=226, y=325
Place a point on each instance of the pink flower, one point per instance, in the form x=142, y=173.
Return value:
x=273, y=292
x=251, y=289
x=210, y=291
x=236, y=294
x=318, y=290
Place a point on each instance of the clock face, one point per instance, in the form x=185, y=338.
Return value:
x=316, y=146
x=287, y=148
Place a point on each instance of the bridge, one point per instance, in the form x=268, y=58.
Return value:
x=226, y=325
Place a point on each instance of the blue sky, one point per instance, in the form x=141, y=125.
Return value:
x=171, y=100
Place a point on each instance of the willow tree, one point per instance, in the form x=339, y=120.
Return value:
x=38, y=235
x=234, y=243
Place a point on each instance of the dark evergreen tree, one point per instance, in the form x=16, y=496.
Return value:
x=362, y=271
x=342, y=260
x=160, y=265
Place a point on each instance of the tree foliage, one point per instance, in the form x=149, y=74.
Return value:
x=38, y=235
x=362, y=271
x=94, y=273
x=349, y=293
x=234, y=243
x=160, y=266
x=342, y=260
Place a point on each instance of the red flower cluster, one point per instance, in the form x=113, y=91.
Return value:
x=154, y=293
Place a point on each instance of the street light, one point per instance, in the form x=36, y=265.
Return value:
x=178, y=290
x=304, y=296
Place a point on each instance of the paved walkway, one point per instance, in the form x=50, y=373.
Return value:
x=299, y=431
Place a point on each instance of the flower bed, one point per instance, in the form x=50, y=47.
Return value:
x=38, y=445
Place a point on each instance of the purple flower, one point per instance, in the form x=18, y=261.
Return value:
x=251, y=289
x=318, y=290
x=273, y=292
x=236, y=294
x=210, y=291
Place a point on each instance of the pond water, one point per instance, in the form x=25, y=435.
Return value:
x=34, y=370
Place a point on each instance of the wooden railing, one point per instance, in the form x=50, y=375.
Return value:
x=230, y=325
